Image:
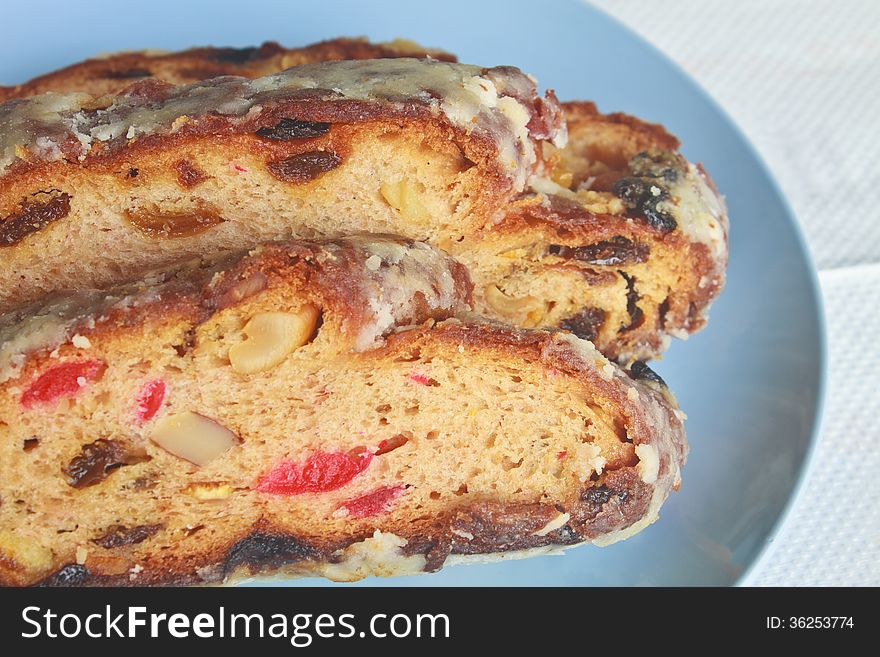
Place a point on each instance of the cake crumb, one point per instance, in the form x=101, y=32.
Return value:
x=81, y=341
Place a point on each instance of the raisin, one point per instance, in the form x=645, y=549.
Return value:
x=30, y=443
x=640, y=370
x=391, y=444
x=600, y=495
x=97, y=461
x=373, y=503
x=71, y=575
x=586, y=324
x=127, y=73
x=63, y=380
x=304, y=167
x=120, y=535
x=321, y=472
x=642, y=195
x=32, y=217
x=170, y=225
x=266, y=550
x=149, y=400
x=617, y=251
x=288, y=129
x=636, y=316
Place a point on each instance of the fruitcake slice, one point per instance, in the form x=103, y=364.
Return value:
x=95, y=190
x=307, y=409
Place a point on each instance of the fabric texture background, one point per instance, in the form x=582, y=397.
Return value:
x=802, y=80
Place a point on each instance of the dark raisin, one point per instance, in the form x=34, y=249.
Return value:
x=586, y=324
x=636, y=316
x=288, y=129
x=304, y=167
x=32, y=217
x=597, y=495
x=618, y=250
x=128, y=73
x=72, y=575
x=640, y=370
x=641, y=196
x=30, y=443
x=662, y=311
x=119, y=535
x=261, y=550
x=133, y=172
x=97, y=460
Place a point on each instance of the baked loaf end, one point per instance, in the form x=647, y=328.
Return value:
x=108, y=74
x=299, y=410
x=624, y=243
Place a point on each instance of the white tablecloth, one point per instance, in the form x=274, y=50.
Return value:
x=802, y=79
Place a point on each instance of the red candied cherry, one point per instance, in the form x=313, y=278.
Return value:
x=320, y=472
x=149, y=400
x=64, y=380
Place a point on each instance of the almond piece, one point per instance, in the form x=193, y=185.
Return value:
x=527, y=310
x=193, y=437
x=270, y=338
x=404, y=196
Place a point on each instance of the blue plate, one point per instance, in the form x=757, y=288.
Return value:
x=751, y=382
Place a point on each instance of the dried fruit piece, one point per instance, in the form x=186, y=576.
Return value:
x=188, y=174
x=97, y=460
x=643, y=193
x=170, y=225
x=209, y=490
x=390, y=444
x=149, y=400
x=304, y=167
x=193, y=437
x=120, y=535
x=373, y=503
x=64, y=380
x=636, y=316
x=271, y=337
x=288, y=129
x=405, y=197
x=32, y=217
x=618, y=250
x=586, y=324
x=640, y=370
x=321, y=472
